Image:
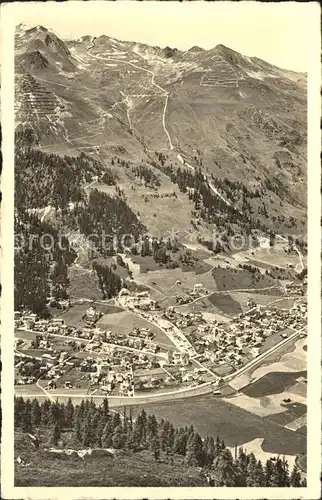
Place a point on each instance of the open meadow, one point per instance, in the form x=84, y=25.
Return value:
x=212, y=416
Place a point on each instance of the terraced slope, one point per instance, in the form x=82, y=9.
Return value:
x=216, y=109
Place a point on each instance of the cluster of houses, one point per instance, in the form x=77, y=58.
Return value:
x=234, y=342
x=246, y=333
x=138, y=338
x=129, y=301
x=140, y=300
x=112, y=357
x=181, y=377
x=113, y=380
x=198, y=291
x=51, y=364
x=30, y=321
x=57, y=357
x=296, y=288
x=183, y=319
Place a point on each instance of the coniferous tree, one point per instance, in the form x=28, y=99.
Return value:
x=55, y=434
x=209, y=450
x=268, y=473
x=295, y=479
x=45, y=412
x=119, y=437
x=107, y=435
x=78, y=427
x=26, y=417
x=180, y=442
x=87, y=431
x=105, y=408
x=224, y=473
x=35, y=413
x=195, y=454
x=252, y=471
x=69, y=413
x=152, y=427
x=95, y=426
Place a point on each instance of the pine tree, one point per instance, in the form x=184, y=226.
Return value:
x=87, y=431
x=224, y=473
x=26, y=424
x=195, y=455
x=295, y=479
x=209, y=450
x=19, y=407
x=55, y=434
x=118, y=438
x=251, y=472
x=152, y=427
x=155, y=448
x=280, y=474
x=35, y=413
x=166, y=435
x=96, y=429
x=242, y=461
x=69, y=413
x=218, y=445
x=45, y=412
x=139, y=431
x=259, y=476
x=180, y=441
x=107, y=435
x=55, y=413
x=105, y=408
x=268, y=473
x=78, y=427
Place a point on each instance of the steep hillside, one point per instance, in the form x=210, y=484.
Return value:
x=216, y=110
x=91, y=446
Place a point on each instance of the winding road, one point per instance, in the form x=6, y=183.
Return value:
x=253, y=362
x=153, y=83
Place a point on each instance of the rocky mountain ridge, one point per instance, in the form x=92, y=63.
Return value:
x=216, y=109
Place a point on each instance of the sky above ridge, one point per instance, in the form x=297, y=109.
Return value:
x=279, y=33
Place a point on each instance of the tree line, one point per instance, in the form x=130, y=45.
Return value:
x=97, y=426
x=109, y=283
x=43, y=179
x=41, y=261
x=107, y=218
x=145, y=174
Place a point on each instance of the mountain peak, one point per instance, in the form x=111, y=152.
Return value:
x=37, y=29
x=223, y=50
x=195, y=48
x=169, y=52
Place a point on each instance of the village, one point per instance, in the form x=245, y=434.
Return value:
x=110, y=361
x=50, y=352
x=244, y=337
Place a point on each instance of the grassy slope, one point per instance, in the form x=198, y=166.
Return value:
x=211, y=416
x=135, y=469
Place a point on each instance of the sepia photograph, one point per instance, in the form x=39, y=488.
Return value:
x=159, y=316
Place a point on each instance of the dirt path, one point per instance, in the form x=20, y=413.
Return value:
x=156, y=85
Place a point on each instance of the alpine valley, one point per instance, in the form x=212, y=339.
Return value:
x=160, y=265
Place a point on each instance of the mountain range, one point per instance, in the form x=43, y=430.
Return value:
x=239, y=119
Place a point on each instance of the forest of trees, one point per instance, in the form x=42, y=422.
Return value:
x=146, y=175
x=95, y=426
x=109, y=283
x=43, y=179
x=41, y=262
x=210, y=206
x=109, y=177
x=107, y=217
